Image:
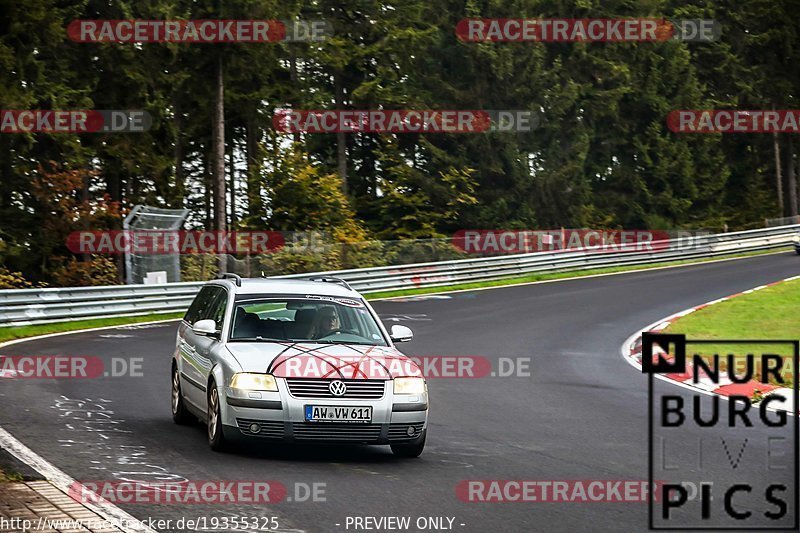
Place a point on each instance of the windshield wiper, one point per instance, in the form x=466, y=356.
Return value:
x=258, y=339
x=320, y=341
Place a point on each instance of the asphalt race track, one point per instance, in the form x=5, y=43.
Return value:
x=582, y=413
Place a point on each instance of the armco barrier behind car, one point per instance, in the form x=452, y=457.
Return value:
x=41, y=306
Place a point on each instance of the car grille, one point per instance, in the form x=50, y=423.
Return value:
x=337, y=432
x=329, y=431
x=333, y=432
x=400, y=431
x=273, y=429
x=357, y=389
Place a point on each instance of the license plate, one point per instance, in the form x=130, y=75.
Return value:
x=337, y=413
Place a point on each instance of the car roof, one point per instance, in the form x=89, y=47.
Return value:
x=287, y=286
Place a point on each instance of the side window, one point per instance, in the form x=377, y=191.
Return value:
x=200, y=304
x=216, y=310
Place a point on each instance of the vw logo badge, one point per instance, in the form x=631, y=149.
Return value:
x=337, y=388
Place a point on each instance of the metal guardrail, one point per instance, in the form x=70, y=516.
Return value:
x=40, y=306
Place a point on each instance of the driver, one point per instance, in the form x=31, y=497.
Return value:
x=326, y=322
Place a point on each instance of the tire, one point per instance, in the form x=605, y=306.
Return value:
x=411, y=450
x=216, y=436
x=797, y=251
x=180, y=415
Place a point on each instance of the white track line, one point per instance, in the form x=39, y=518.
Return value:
x=52, y=473
x=625, y=350
x=75, y=331
x=61, y=480
x=113, y=514
x=572, y=278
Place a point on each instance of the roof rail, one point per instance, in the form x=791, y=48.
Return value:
x=235, y=277
x=331, y=279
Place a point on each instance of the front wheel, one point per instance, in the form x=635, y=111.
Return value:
x=411, y=450
x=216, y=438
x=179, y=413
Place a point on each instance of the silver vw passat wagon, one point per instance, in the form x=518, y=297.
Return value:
x=296, y=360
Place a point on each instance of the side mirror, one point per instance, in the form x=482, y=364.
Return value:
x=207, y=327
x=400, y=334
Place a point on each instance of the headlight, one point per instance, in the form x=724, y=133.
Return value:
x=409, y=385
x=262, y=382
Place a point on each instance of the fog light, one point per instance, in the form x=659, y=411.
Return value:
x=255, y=428
x=411, y=431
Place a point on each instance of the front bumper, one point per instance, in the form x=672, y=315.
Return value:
x=331, y=432
x=279, y=416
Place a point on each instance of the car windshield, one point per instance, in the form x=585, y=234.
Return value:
x=318, y=319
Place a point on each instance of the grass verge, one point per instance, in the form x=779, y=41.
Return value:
x=7, y=477
x=769, y=313
x=19, y=332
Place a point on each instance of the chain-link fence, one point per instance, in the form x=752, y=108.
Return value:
x=139, y=265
